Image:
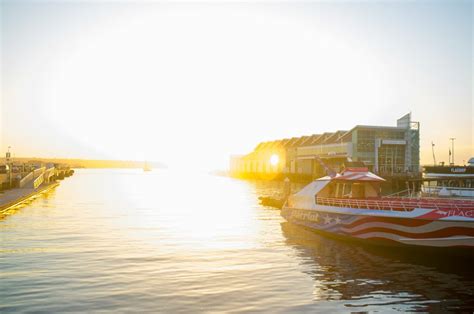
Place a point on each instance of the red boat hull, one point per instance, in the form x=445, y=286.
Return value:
x=386, y=230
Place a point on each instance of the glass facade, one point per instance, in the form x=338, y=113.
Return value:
x=391, y=159
x=329, y=149
x=387, y=150
x=365, y=139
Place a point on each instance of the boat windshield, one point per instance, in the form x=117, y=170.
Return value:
x=355, y=189
x=458, y=183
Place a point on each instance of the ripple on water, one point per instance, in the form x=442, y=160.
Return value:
x=171, y=243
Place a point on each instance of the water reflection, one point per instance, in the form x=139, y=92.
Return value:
x=108, y=240
x=372, y=279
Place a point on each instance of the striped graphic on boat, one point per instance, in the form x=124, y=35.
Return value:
x=402, y=230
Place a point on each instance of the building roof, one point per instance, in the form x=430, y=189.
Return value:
x=322, y=138
x=377, y=127
x=285, y=141
x=309, y=139
x=275, y=144
x=346, y=137
x=298, y=141
x=260, y=146
x=340, y=136
x=291, y=142
x=334, y=137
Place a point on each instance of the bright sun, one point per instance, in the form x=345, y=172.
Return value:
x=274, y=160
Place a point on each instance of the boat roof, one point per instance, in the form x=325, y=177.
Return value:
x=471, y=161
x=354, y=174
x=305, y=197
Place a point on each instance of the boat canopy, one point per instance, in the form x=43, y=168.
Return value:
x=363, y=182
x=358, y=174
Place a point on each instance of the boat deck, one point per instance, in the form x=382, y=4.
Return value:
x=398, y=203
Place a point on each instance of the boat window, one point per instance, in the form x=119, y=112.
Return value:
x=331, y=190
x=347, y=190
x=429, y=183
x=358, y=190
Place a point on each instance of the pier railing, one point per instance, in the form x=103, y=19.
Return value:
x=37, y=176
x=26, y=179
x=397, y=203
x=39, y=171
x=49, y=173
x=38, y=181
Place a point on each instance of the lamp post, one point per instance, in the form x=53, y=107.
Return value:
x=452, y=149
x=8, y=163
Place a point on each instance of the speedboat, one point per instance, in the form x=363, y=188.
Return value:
x=350, y=205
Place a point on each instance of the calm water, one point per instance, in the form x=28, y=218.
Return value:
x=125, y=240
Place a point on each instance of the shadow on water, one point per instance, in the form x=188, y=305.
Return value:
x=376, y=278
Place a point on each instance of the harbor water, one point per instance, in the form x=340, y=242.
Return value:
x=160, y=241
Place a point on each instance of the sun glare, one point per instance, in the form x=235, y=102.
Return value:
x=274, y=159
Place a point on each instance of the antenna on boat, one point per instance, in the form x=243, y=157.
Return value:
x=330, y=172
x=432, y=149
x=452, y=150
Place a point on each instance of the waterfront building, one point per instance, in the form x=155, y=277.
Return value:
x=389, y=151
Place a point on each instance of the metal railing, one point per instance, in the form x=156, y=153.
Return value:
x=398, y=194
x=38, y=181
x=397, y=203
x=26, y=179
x=453, y=191
x=49, y=173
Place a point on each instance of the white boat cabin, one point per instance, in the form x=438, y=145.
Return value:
x=353, y=183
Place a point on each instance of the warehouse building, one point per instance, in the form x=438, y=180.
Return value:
x=390, y=151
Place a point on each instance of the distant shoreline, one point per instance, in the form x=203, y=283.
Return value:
x=92, y=163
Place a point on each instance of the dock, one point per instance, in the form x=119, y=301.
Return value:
x=21, y=183
x=15, y=197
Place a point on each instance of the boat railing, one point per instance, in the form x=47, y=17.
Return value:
x=400, y=193
x=396, y=203
x=449, y=188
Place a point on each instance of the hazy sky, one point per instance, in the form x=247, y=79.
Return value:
x=192, y=83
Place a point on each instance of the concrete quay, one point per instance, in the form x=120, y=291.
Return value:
x=12, y=198
x=20, y=183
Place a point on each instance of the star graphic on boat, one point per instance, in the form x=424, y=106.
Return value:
x=337, y=220
x=327, y=219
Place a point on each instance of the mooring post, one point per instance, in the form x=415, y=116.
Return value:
x=286, y=188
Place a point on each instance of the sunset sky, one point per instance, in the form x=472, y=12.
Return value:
x=192, y=83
